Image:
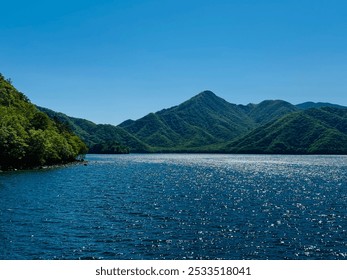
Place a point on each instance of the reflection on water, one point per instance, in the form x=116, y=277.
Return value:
x=178, y=207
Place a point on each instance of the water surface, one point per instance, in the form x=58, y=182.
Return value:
x=167, y=206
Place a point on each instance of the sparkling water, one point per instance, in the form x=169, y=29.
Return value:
x=178, y=206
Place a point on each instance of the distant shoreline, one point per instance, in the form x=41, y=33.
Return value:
x=45, y=167
x=230, y=153
x=85, y=162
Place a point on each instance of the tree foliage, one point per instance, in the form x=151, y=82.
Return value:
x=208, y=123
x=28, y=137
x=109, y=147
x=100, y=138
x=313, y=131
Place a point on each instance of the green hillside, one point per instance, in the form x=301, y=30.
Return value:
x=310, y=105
x=314, y=131
x=208, y=123
x=33, y=136
x=269, y=110
x=204, y=123
x=203, y=120
x=28, y=137
x=100, y=138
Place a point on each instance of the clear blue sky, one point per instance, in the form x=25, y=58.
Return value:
x=109, y=61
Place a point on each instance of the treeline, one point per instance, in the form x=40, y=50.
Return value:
x=100, y=138
x=207, y=123
x=109, y=147
x=313, y=131
x=28, y=137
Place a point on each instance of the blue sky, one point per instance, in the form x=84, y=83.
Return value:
x=108, y=61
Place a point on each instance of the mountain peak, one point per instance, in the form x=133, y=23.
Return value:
x=207, y=93
x=205, y=98
x=310, y=104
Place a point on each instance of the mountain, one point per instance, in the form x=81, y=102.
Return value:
x=28, y=137
x=309, y=105
x=100, y=138
x=313, y=131
x=202, y=120
x=208, y=123
x=269, y=110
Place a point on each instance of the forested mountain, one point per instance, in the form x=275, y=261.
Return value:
x=100, y=138
x=28, y=137
x=269, y=110
x=33, y=136
x=313, y=131
x=202, y=120
x=310, y=105
x=208, y=123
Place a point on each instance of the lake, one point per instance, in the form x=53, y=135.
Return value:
x=178, y=206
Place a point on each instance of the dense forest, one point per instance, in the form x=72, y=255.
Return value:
x=35, y=136
x=313, y=131
x=28, y=137
x=109, y=147
x=203, y=123
x=207, y=123
x=100, y=138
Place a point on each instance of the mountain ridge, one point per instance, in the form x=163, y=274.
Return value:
x=203, y=123
x=310, y=104
x=315, y=131
x=204, y=115
x=95, y=134
x=209, y=123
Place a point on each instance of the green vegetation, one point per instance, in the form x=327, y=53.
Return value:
x=109, y=147
x=203, y=120
x=33, y=136
x=269, y=110
x=207, y=123
x=314, y=131
x=310, y=105
x=204, y=123
x=100, y=136
x=28, y=137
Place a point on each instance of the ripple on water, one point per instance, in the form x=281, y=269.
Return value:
x=178, y=207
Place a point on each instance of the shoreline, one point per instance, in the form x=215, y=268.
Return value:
x=45, y=167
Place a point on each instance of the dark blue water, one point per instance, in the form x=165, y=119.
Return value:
x=178, y=207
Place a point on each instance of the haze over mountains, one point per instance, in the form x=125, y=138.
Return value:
x=208, y=123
